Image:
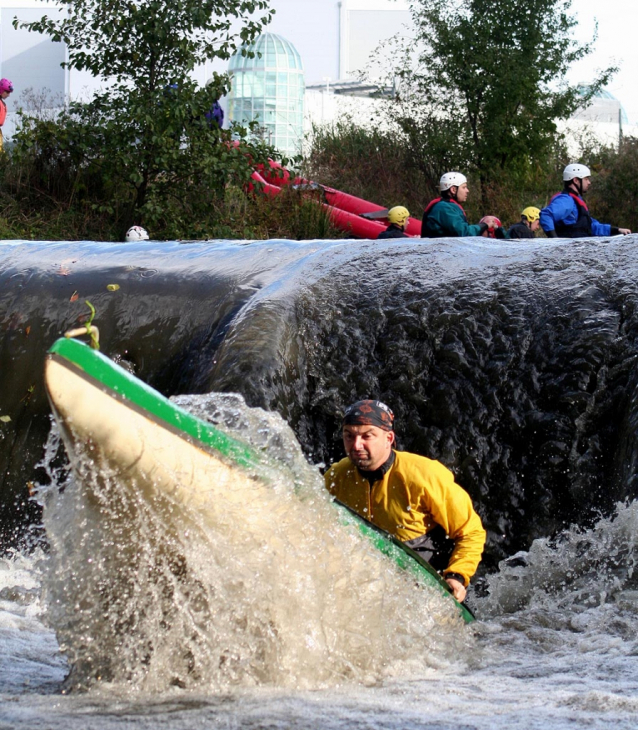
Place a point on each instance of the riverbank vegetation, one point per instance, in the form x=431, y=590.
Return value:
x=381, y=166
x=146, y=150
x=48, y=194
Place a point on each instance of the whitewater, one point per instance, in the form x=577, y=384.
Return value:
x=554, y=647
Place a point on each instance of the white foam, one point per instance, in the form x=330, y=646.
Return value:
x=30, y=659
x=152, y=593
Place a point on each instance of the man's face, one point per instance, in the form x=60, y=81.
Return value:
x=585, y=182
x=4, y=94
x=368, y=447
x=535, y=224
x=462, y=192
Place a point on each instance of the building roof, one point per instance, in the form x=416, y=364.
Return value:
x=271, y=53
x=603, y=107
x=353, y=88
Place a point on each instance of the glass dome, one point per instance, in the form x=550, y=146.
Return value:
x=269, y=89
x=604, y=98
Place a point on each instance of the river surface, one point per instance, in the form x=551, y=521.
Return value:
x=534, y=348
x=561, y=660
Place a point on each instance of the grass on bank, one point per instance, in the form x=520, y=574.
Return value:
x=29, y=211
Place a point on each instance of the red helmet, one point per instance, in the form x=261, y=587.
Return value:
x=489, y=233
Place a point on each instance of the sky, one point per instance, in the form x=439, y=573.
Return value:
x=617, y=44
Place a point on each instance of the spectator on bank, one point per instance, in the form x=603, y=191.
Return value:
x=6, y=88
x=528, y=224
x=496, y=231
x=215, y=115
x=444, y=216
x=135, y=234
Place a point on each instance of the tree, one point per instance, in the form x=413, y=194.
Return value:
x=147, y=132
x=486, y=84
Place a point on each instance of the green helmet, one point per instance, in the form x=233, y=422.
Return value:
x=531, y=214
x=398, y=215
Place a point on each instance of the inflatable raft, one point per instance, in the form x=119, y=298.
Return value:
x=359, y=217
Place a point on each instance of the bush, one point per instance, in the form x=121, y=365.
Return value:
x=615, y=189
x=382, y=166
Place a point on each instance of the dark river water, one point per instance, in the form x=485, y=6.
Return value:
x=513, y=364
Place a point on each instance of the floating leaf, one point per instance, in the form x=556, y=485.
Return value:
x=74, y=297
x=112, y=287
x=27, y=329
x=5, y=419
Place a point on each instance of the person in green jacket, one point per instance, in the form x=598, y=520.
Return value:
x=444, y=217
x=412, y=497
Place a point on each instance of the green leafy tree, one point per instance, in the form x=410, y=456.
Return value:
x=485, y=84
x=145, y=138
x=615, y=187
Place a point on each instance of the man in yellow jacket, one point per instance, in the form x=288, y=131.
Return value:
x=407, y=495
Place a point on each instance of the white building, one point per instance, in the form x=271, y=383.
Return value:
x=335, y=39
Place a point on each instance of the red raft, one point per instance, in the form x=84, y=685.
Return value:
x=353, y=215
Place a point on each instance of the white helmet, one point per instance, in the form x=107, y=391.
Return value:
x=450, y=179
x=575, y=170
x=136, y=233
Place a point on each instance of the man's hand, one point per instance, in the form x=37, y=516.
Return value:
x=458, y=589
x=624, y=231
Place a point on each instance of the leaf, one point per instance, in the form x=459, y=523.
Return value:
x=5, y=419
x=112, y=287
x=74, y=297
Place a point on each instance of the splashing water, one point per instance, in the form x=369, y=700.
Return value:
x=29, y=659
x=578, y=570
x=556, y=648
x=153, y=593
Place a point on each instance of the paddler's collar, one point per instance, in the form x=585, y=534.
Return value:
x=378, y=474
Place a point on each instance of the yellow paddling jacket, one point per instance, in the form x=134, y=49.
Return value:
x=415, y=495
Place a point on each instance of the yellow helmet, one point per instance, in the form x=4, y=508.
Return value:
x=398, y=215
x=532, y=214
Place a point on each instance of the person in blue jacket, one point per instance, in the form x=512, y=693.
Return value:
x=444, y=217
x=567, y=215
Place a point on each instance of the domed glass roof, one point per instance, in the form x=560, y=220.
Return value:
x=600, y=94
x=272, y=53
x=269, y=89
x=604, y=95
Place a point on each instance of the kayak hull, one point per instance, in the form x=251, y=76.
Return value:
x=121, y=427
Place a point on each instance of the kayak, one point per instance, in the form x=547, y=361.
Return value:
x=138, y=435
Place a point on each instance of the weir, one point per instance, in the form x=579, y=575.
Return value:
x=512, y=363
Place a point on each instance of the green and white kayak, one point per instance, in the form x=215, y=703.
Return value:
x=106, y=412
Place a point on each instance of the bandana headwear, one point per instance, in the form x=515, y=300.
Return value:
x=369, y=413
